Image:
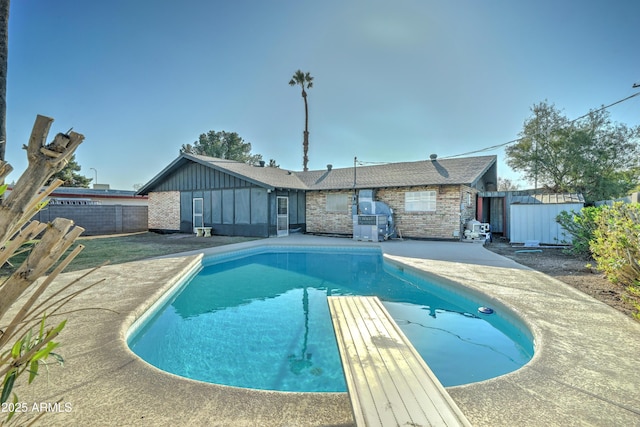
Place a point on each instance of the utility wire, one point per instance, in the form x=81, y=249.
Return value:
x=493, y=147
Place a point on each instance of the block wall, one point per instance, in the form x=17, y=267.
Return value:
x=99, y=219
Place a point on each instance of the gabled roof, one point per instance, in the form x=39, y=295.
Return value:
x=466, y=170
x=405, y=174
x=269, y=178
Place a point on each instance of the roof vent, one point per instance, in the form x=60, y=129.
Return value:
x=433, y=157
x=261, y=162
x=329, y=166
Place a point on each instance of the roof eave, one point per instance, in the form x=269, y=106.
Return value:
x=484, y=171
x=144, y=190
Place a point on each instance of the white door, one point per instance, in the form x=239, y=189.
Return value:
x=198, y=213
x=283, y=216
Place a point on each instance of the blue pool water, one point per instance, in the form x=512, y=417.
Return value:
x=261, y=320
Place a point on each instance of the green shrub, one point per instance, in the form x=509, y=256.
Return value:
x=581, y=227
x=616, y=244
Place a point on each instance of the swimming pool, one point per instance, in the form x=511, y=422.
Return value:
x=259, y=319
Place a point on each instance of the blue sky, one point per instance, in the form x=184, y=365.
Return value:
x=393, y=81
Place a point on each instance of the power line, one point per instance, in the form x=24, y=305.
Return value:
x=493, y=147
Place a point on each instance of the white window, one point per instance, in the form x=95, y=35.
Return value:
x=338, y=202
x=420, y=201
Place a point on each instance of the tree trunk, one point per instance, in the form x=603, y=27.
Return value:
x=4, y=51
x=305, y=142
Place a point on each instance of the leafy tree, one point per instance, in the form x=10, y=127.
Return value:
x=223, y=145
x=505, y=184
x=273, y=163
x=302, y=79
x=592, y=156
x=69, y=177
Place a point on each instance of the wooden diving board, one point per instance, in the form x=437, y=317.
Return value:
x=388, y=382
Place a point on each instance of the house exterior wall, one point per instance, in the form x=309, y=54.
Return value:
x=453, y=209
x=164, y=210
x=445, y=222
x=232, y=206
x=321, y=221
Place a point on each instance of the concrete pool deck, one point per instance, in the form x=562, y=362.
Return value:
x=585, y=370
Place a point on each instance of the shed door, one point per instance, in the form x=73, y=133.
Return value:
x=283, y=216
x=198, y=213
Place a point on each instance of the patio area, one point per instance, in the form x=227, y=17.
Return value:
x=584, y=371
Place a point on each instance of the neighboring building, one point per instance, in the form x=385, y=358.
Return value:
x=93, y=196
x=430, y=198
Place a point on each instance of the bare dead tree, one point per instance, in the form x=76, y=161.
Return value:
x=22, y=349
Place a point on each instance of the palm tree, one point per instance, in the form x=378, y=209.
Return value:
x=4, y=46
x=302, y=79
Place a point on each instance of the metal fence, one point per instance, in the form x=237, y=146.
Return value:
x=632, y=198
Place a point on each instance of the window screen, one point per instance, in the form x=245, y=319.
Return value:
x=337, y=203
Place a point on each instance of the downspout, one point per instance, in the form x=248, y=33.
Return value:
x=354, y=198
x=461, y=225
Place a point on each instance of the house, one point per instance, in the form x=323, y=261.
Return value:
x=430, y=198
x=233, y=198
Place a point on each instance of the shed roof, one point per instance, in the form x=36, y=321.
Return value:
x=548, y=199
x=405, y=174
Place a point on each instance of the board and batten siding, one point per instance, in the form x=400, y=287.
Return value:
x=537, y=222
x=194, y=176
x=232, y=206
x=233, y=211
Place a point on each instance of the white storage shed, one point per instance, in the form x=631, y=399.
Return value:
x=533, y=217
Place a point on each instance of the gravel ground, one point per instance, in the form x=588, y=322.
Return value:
x=569, y=269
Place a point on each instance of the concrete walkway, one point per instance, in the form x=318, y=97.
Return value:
x=585, y=370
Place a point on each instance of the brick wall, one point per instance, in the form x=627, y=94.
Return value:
x=440, y=224
x=469, y=209
x=164, y=210
x=321, y=221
